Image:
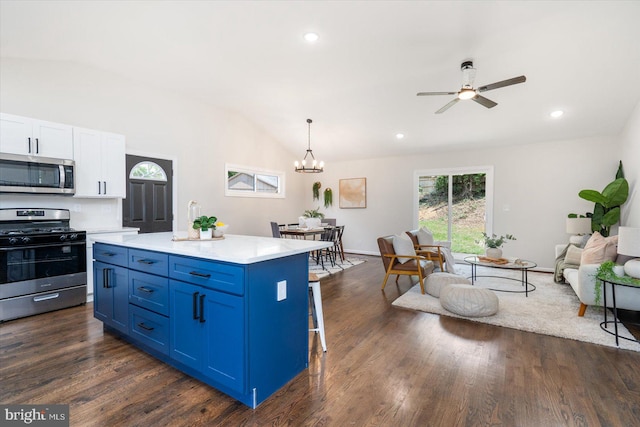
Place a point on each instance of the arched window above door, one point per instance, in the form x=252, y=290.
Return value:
x=148, y=170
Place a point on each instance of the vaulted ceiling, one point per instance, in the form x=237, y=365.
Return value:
x=358, y=81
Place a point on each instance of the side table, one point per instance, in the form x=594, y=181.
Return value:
x=613, y=281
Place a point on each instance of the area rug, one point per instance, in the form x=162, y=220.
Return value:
x=324, y=271
x=552, y=309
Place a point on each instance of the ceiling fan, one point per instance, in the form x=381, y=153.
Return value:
x=469, y=92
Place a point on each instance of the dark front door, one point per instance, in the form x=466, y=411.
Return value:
x=149, y=203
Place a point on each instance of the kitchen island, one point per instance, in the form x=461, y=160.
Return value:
x=232, y=313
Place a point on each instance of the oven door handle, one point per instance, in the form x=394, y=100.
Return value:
x=48, y=245
x=46, y=297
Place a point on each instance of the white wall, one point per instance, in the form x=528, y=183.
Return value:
x=630, y=145
x=198, y=137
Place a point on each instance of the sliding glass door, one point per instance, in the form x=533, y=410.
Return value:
x=455, y=205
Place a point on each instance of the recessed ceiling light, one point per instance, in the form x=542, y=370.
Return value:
x=556, y=114
x=399, y=135
x=311, y=37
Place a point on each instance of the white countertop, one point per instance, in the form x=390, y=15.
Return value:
x=112, y=230
x=233, y=248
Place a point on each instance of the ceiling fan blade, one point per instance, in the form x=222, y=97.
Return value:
x=435, y=93
x=449, y=105
x=497, y=85
x=484, y=101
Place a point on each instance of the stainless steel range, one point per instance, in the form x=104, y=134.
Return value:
x=42, y=262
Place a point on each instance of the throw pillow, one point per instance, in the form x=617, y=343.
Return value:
x=425, y=237
x=599, y=249
x=573, y=255
x=402, y=245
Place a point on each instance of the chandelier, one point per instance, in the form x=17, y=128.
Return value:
x=315, y=166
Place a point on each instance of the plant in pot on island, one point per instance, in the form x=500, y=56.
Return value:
x=206, y=225
x=493, y=244
x=311, y=218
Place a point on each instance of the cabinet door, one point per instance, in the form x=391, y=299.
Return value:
x=113, y=165
x=100, y=163
x=15, y=134
x=186, y=330
x=52, y=140
x=111, y=298
x=87, y=148
x=102, y=295
x=224, y=339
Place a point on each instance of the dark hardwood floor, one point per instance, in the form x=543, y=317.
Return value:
x=384, y=367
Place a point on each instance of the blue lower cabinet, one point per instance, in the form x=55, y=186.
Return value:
x=152, y=329
x=207, y=333
x=111, y=295
x=242, y=329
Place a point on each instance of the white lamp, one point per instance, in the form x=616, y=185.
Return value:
x=629, y=244
x=577, y=227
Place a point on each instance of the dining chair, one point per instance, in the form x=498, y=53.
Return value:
x=417, y=265
x=330, y=221
x=339, y=246
x=328, y=235
x=275, y=229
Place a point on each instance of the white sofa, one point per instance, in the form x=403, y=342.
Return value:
x=583, y=282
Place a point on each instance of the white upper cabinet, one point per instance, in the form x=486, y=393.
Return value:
x=23, y=135
x=100, y=163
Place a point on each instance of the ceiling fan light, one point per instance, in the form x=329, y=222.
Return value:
x=466, y=94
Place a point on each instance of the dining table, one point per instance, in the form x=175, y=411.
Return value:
x=301, y=232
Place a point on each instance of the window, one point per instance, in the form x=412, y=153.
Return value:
x=243, y=181
x=455, y=204
x=148, y=170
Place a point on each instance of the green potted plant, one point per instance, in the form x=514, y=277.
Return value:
x=312, y=218
x=316, y=190
x=328, y=197
x=206, y=225
x=493, y=244
x=606, y=211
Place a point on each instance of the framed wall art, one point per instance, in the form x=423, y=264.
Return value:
x=353, y=193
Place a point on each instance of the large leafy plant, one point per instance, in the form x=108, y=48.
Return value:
x=606, y=211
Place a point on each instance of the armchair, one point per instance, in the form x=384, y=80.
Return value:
x=434, y=252
x=417, y=265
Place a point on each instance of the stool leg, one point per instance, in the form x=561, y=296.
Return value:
x=319, y=318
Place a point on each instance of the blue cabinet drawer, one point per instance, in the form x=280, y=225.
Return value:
x=110, y=254
x=149, y=328
x=213, y=275
x=149, y=291
x=149, y=262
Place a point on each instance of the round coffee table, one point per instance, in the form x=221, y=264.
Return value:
x=523, y=265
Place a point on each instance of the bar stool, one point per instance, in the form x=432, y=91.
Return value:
x=316, y=308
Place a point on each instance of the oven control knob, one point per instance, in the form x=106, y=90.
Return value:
x=73, y=236
x=63, y=237
x=13, y=240
x=26, y=239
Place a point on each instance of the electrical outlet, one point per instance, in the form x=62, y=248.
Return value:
x=282, y=290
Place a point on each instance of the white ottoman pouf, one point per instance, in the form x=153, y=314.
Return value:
x=470, y=301
x=437, y=281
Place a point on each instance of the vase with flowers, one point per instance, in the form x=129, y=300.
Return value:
x=493, y=244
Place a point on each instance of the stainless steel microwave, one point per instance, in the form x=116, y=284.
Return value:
x=36, y=175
